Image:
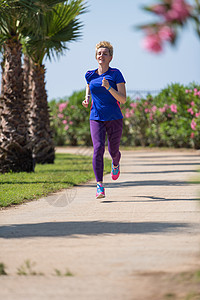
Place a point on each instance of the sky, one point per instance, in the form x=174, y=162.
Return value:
x=115, y=21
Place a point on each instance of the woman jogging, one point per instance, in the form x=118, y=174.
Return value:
x=106, y=87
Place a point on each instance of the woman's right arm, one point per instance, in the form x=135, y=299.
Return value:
x=87, y=96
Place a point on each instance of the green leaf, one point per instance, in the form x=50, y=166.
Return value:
x=58, y=27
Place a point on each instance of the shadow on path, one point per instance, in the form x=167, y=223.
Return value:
x=150, y=199
x=137, y=163
x=65, y=229
x=162, y=172
x=176, y=157
x=141, y=183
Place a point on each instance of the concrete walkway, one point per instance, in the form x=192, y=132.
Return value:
x=149, y=222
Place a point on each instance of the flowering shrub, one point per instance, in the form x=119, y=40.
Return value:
x=70, y=121
x=59, y=133
x=170, y=119
x=174, y=128
x=173, y=14
x=136, y=122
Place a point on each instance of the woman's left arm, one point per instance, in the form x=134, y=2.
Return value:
x=120, y=94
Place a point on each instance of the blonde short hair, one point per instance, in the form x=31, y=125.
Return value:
x=104, y=44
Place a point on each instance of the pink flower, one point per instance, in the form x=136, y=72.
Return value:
x=146, y=110
x=171, y=15
x=66, y=127
x=192, y=135
x=132, y=112
x=134, y=105
x=190, y=110
x=186, y=91
x=182, y=8
x=195, y=90
x=64, y=121
x=197, y=114
x=154, y=108
x=166, y=33
x=60, y=116
x=162, y=109
x=192, y=103
x=62, y=106
x=180, y=11
x=153, y=43
x=70, y=122
x=173, y=108
x=193, y=125
x=72, y=106
x=158, y=9
x=127, y=115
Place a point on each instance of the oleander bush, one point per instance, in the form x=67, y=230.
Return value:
x=169, y=119
x=59, y=132
x=70, y=120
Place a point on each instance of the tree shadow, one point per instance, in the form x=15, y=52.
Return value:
x=169, y=156
x=163, y=164
x=150, y=199
x=162, y=172
x=72, y=228
x=141, y=183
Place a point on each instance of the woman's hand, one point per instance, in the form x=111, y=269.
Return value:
x=119, y=94
x=105, y=83
x=87, y=96
x=85, y=103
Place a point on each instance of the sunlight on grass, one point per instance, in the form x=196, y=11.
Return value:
x=67, y=171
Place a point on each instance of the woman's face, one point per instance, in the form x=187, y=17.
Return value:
x=103, y=56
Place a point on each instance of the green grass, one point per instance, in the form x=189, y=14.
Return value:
x=67, y=273
x=27, y=269
x=67, y=171
x=2, y=269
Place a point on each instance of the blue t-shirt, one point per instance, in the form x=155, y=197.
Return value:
x=104, y=106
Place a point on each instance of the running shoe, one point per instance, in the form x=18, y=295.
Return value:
x=100, y=191
x=115, y=172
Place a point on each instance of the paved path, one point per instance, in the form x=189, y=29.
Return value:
x=148, y=222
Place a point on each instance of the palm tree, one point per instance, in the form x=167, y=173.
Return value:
x=60, y=26
x=15, y=145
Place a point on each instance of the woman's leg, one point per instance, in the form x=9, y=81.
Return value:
x=98, y=133
x=114, y=132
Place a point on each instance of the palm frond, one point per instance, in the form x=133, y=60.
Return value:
x=60, y=26
x=2, y=39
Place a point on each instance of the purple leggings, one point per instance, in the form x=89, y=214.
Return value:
x=98, y=131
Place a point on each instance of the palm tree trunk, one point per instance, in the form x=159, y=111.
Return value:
x=27, y=81
x=2, y=73
x=41, y=134
x=15, y=145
